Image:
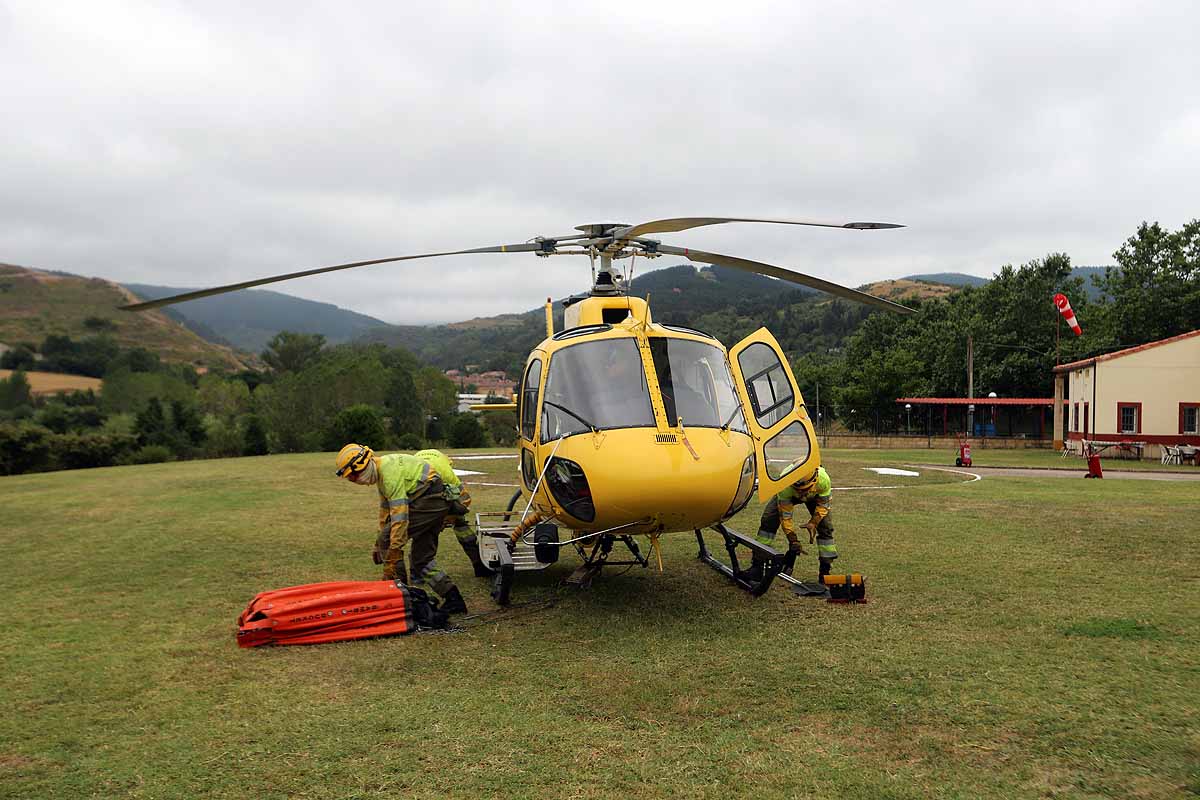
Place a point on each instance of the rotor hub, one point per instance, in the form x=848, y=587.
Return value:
x=600, y=228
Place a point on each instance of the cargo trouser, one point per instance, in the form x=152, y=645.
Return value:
x=768, y=526
x=427, y=509
x=456, y=518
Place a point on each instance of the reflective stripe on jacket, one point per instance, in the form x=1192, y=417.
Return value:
x=399, y=477
x=820, y=495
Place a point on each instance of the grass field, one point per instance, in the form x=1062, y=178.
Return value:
x=1024, y=639
x=55, y=382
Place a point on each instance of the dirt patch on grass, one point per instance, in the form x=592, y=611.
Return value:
x=12, y=761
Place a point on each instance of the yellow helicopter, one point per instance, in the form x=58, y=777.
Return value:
x=628, y=427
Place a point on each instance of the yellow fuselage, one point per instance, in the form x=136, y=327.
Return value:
x=662, y=475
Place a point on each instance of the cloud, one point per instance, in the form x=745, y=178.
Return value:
x=200, y=144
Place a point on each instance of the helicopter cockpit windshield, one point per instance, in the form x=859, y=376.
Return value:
x=696, y=384
x=597, y=384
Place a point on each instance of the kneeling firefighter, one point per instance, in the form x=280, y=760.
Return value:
x=814, y=491
x=412, y=508
x=460, y=506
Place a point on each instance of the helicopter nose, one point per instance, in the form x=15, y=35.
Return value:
x=634, y=475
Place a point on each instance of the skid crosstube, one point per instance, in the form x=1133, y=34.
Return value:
x=774, y=561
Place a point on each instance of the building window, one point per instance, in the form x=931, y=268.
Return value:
x=1129, y=417
x=1189, y=418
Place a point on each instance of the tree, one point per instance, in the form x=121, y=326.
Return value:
x=255, y=436
x=465, y=431
x=292, y=352
x=402, y=403
x=19, y=357
x=15, y=391
x=359, y=423
x=437, y=394
x=501, y=427
x=151, y=424
x=1155, y=292
x=222, y=398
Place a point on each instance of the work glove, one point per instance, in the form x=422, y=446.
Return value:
x=812, y=530
x=795, y=546
x=376, y=557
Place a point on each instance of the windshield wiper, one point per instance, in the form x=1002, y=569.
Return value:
x=736, y=410
x=562, y=408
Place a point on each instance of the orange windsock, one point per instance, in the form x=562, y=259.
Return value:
x=1064, y=308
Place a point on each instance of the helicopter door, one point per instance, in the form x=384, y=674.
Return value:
x=785, y=446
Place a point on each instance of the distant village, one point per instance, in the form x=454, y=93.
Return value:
x=475, y=387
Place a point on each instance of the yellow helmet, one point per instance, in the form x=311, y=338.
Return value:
x=807, y=482
x=353, y=458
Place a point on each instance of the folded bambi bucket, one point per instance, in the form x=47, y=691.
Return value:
x=335, y=612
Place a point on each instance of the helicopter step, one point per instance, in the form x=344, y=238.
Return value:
x=773, y=562
x=494, y=534
x=597, y=559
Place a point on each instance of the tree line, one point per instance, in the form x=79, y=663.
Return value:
x=1152, y=293
x=313, y=397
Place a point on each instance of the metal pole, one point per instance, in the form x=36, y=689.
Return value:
x=970, y=386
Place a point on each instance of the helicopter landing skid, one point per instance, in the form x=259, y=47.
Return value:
x=773, y=562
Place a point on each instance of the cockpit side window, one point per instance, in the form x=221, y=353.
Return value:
x=529, y=398
x=696, y=384
x=595, y=385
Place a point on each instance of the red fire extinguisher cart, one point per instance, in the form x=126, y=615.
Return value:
x=963, y=459
x=1093, y=461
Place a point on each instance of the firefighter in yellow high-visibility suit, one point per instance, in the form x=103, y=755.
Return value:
x=815, y=493
x=412, y=510
x=460, y=506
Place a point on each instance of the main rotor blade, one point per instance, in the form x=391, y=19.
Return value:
x=785, y=274
x=684, y=223
x=233, y=287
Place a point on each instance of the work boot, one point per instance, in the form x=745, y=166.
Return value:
x=823, y=569
x=453, y=602
x=470, y=546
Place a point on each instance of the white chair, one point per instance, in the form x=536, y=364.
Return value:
x=1170, y=455
x=1185, y=451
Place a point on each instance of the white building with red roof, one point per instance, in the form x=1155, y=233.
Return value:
x=1149, y=393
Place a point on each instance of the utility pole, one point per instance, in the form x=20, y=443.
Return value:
x=970, y=386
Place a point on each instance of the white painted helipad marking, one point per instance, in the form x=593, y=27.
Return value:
x=890, y=471
x=461, y=472
x=482, y=457
x=507, y=485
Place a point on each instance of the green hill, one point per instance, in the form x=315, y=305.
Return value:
x=249, y=319
x=36, y=303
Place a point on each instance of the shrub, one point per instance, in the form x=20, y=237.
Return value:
x=150, y=454
x=24, y=448
x=83, y=450
x=410, y=441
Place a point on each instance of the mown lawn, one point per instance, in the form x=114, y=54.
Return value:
x=1024, y=638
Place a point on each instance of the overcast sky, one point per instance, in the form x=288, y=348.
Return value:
x=197, y=144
